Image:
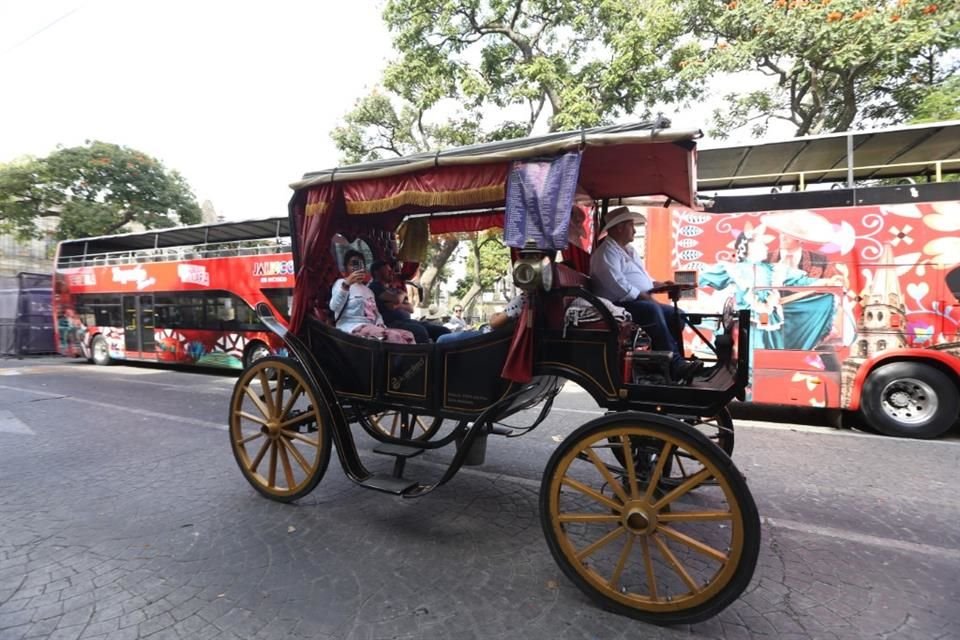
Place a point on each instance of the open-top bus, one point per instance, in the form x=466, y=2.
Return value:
x=845, y=248
x=182, y=295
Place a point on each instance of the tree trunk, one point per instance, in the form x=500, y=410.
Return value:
x=470, y=297
x=436, y=263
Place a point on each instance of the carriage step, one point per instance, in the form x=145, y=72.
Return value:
x=497, y=430
x=398, y=450
x=389, y=484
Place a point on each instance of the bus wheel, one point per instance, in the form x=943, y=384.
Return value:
x=100, y=353
x=909, y=400
x=390, y=423
x=279, y=429
x=667, y=557
x=256, y=350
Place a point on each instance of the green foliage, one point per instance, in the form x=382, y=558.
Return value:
x=586, y=62
x=941, y=103
x=94, y=189
x=493, y=258
x=834, y=64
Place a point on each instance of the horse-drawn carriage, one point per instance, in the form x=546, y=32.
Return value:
x=642, y=508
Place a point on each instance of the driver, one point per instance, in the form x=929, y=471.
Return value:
x=618, y=274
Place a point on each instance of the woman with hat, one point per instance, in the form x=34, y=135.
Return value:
x=618, y=275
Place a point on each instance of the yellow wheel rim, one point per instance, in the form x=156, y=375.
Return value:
x=276, y=429
x=391, y=422
x=636, y=542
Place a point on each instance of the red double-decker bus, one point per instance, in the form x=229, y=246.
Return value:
x=182, y=295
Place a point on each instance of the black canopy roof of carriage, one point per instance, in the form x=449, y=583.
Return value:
x=895, y=152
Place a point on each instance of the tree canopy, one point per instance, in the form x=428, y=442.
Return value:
x=832, y=65
x=94, y=189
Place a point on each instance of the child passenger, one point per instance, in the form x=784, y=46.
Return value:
x=354, y=306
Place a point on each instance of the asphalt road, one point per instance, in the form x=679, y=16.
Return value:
x=124, y=515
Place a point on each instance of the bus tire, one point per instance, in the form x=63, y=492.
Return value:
x=99, y=351
x=256, y=350
x=909, y=400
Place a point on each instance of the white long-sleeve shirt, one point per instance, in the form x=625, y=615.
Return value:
x=353, y=307
x=618, y=272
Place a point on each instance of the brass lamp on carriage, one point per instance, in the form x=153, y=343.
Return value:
x=532, y=270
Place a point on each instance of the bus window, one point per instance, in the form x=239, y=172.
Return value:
x=281, y=299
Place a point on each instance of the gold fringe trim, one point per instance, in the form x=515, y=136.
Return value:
x=478, y=195
x=315, y=208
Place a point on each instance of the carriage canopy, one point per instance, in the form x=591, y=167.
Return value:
x=467, y=189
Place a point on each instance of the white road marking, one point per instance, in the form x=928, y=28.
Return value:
x=9, y=423
x=848, y=535
x=141, y=412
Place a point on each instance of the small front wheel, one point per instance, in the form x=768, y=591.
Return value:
x=674, y=555
x=100, y=351
x=909, y=400
x=279, y=429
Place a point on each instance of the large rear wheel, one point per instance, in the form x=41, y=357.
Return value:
x=406, y=425
x=672, y=555
x=279, y=429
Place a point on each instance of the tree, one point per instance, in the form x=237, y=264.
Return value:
x=94, y=189
x=564, y=62
x=834, y=64
x=489, y=260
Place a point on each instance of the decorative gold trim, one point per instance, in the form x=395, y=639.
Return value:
x=564, y=365
x=443, y=397
x=372, y=363
x=463, y=197
x=315, y=208
x=426, y=374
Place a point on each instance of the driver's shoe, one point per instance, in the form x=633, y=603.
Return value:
x=684, y=370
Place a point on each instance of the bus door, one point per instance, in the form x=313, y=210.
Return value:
x=138, y=323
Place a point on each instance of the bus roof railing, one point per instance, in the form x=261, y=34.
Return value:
x=185, y=236
x=187, y=252
x=930, y=149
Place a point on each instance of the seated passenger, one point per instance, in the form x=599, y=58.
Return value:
x=498, y=320
x=618, y=274
x=395, y=307
x=354, y=306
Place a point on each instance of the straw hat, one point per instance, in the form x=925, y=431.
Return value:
x=618, y=215
x=433, y=313
x=801, y=224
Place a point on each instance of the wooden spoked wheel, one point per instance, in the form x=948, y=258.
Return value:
x=279, y=429
x=667, y=556
x=391, y=423
x=680, y=465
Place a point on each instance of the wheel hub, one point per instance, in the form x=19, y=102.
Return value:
x=637, y=519
x=909, y=401
x=899, y=399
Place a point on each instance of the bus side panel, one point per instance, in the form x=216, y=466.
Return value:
x=828, y=289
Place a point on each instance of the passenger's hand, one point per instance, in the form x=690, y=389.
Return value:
x=356, y=277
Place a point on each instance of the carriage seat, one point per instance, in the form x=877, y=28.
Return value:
x=556, y=307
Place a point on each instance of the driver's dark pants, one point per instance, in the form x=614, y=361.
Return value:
x=657, y=320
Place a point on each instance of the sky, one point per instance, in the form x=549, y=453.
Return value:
x=238, y=97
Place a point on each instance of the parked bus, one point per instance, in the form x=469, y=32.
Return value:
x=182, y=295
x=850, y=262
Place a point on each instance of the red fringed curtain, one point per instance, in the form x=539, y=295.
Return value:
x=312, y=219
x=464, y=223
x=436, y=188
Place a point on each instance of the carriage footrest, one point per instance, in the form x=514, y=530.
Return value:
x=497, y=430
x=389, y=484
x=398, y=450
